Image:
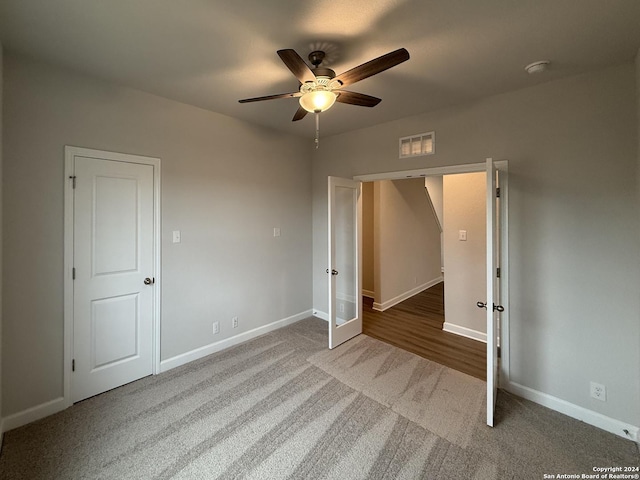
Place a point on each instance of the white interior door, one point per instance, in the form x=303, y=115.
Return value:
x=113, y=258
x=493, y=302
x=345, y=265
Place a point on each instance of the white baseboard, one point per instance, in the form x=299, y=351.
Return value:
x=321, y=315
x=54, y=406
x=368, y=293
x=464, y=332
x=32, y=414
x=622, y=429
x=187, y=357
x=381, y=307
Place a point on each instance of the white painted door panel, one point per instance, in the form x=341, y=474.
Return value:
x=493, y=234
x=345, y=253
x=113, y=254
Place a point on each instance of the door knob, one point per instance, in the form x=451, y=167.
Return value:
x=499, y=308
x=333, y=271
x=149, y=281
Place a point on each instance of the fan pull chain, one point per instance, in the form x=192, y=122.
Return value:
x=317, y=141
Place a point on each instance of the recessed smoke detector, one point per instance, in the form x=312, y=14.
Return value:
x=537, y=67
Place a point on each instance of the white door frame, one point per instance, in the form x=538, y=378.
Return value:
x=70, y=153
x=503, y=166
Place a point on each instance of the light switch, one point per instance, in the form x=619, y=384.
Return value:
x=462, y=235
x=276, y=232
x=176, y=236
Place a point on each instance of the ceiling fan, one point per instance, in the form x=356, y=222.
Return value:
x=320, y=88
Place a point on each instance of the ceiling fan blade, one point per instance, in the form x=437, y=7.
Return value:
x=271, y=97
x=300, y=113
x=355, y=98
x=297, y=65
x=373, y=67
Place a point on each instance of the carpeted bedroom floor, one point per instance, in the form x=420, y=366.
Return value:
x=284, y=406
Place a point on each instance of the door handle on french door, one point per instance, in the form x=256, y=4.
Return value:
x=499, y=308
x=149, y=281
x=333, y=271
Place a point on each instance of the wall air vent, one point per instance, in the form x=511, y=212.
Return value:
x=417, y=145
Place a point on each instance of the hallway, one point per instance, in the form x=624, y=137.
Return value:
x=415, y=325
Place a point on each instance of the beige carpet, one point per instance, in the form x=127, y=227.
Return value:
x=283, y=406
x=439, y=399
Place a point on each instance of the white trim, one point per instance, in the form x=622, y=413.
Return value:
x=503, y=333
x=381, y=307
x=321, y=315
x=464, y=331
x=33, y=414
x=422, y=172
x=585, y=415
x=70, y=153
x=68, y=279
x=368, y=293
x=433, y=208
x=198, y=353
x=430, y=172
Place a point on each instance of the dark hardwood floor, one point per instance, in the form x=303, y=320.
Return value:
x=415, y=325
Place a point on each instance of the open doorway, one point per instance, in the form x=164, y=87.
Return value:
x=424, y=260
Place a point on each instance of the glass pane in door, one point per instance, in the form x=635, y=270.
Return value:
x=345, y=254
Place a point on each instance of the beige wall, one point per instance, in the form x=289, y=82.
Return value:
x=407, y=240
x=1, y=255
x=225, y=185
x=637, y=62
x=465, y=261
x=367, y=238
x=574, y=227
x=434, y=188
x=638, y=119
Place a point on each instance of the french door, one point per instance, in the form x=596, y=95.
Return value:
x=493, y=302
x=344, y=273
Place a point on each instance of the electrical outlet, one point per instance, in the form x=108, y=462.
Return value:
x=342, y=308
x=598, y=391
x=234, y=322
x=216, y=328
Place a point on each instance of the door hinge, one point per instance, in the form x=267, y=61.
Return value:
x=73, y=273
x=497, y=191
x=73, y=181
x=73, y=365
x=498, y=272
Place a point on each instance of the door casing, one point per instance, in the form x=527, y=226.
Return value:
x=70, y=152
x=502, y=166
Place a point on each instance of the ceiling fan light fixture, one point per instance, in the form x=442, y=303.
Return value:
x=317, y=100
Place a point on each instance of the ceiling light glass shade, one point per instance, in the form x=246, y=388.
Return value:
x=317, y=100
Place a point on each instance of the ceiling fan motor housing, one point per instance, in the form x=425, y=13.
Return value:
x=316, y=57
x=323, y=72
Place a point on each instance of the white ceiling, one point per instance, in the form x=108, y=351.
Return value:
x=211, y=53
